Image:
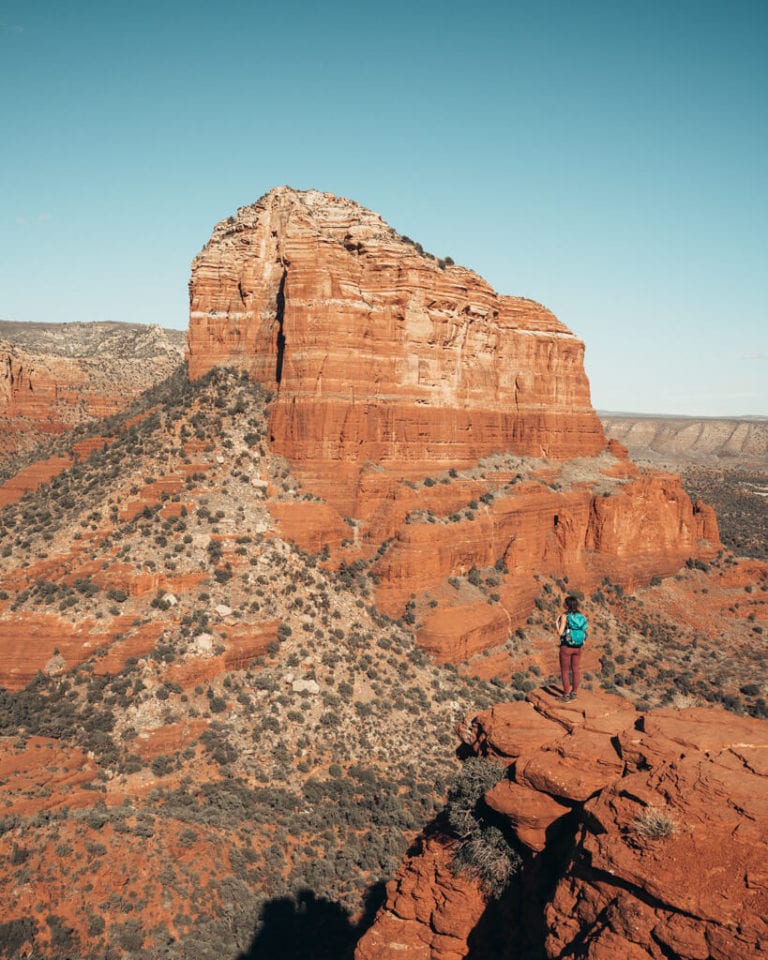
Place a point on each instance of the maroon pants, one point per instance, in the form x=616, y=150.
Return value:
x=570, y=665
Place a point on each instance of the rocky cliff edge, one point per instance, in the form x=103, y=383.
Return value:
x=643, y=837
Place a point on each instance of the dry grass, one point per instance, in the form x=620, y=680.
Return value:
x=654, y=824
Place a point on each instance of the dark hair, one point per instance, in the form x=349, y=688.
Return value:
x=572, y=604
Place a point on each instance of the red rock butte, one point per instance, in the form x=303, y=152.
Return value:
x=377, y=352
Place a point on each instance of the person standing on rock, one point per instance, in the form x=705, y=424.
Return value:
x=572, y=632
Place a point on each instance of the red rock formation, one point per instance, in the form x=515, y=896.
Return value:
x=670, y=812
x=377, y=352
x=645, y=527
x=387, y=366
x=430, y=912
x=30, y=478
x=675, y=848
x=51, y=389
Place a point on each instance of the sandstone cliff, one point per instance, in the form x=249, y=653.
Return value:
x=378, y=352
x=447, y=427
x=655, y=822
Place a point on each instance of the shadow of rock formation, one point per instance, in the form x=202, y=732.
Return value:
x=307, y=927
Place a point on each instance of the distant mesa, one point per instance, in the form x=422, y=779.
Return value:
x=680, y=441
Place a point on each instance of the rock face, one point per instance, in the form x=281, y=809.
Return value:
x=645, y=527
x=54, y=376
x=431, y=912
x=387, y=366
x=658, y=822
x=378, y=352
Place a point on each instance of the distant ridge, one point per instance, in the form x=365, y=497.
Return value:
x=57, y=375
x=751, y=417
x=706, y=441
x=81, y=340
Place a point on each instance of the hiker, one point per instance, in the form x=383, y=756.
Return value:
x=572, y=632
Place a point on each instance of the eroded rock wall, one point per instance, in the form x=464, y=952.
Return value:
x=377, y=352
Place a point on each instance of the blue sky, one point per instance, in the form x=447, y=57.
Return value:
x=605, y=158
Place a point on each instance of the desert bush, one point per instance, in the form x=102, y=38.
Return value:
x=63, y=937
x=490, y=858
x=15, y=933
x=162, y=765
x=482, y=849
x=654, y=824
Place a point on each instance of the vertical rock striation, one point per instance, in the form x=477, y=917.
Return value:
x=377, y=351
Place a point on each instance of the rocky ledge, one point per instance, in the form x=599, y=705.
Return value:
x=643, y=836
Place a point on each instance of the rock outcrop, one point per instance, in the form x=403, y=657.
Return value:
x=377, y=351
x=657, y=823
x=431, y=911
x=449, y=426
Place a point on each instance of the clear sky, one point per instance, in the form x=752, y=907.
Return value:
x=609, y=159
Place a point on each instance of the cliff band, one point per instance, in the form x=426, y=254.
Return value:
x=377, y=351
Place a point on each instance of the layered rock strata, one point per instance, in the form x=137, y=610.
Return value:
x=378, y=352
x=658, y=822
x=431, y=911
x=386, y=366
x=55, y=376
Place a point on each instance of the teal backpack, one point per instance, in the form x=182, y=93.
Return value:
x=575, y=630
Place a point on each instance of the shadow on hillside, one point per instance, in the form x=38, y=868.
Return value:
x=308, y=927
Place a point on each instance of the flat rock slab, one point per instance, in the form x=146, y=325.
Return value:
x=514, y=729
x=593, y=710
x=573, y=767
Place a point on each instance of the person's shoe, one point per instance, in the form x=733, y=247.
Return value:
x=572, y=695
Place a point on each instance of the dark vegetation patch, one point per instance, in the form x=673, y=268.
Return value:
x=740, y=500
